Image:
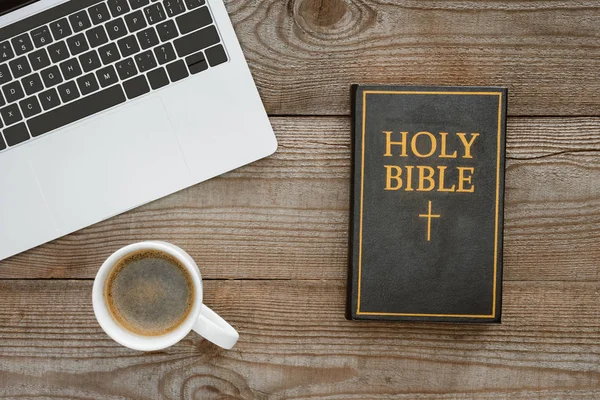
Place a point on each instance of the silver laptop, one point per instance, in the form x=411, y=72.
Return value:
x=107, y=105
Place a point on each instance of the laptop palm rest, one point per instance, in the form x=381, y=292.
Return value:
x=108, y=164
x=25, y=220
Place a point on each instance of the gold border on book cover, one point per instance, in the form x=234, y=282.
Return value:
x=362, y=181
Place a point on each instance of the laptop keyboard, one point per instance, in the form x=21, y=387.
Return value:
x=94, y=58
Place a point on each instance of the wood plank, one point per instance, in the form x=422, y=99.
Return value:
x=304, y=54
x=295, y=343
x=286, y=217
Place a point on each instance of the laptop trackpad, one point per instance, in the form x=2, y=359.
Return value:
x=109, y=164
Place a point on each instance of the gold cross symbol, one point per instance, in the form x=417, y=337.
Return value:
x=429, y=215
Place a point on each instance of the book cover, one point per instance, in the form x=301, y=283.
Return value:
x=427, y=203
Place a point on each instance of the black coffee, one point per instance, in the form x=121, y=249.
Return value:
x=149, y=292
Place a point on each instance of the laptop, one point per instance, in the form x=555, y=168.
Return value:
x=107, y=105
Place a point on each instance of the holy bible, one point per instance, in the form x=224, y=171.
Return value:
x=427, y=203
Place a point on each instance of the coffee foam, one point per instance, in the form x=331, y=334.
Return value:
x=149, y=292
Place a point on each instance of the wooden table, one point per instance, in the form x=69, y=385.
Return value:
x=271, y=238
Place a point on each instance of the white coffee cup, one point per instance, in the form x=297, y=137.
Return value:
x=201, y=319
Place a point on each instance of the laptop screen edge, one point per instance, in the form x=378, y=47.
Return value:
x=7, y=6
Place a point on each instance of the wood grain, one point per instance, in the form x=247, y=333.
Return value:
x=304, y=54
x=286, y=217
x=296, y=344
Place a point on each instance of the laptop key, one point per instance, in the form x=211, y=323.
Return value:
x=19, y=67
x=77, y=44
x=79, y=109
x=196, y=19
x=58, y=51
x=99, y=13
x=196, y=41
x=126, y=69
x=194, y=3
x=135, y=21
x=71, y=69
x=216, y=55
x=138, y=3
x=68, y=91
x=145, y=61
x=128, y=46
x=16, y=134
x=22, y=44
x=30, y=106
x=147, y=38
x=136, y=87
x=32, y=84
x=167, y=30
x=109, y=53
x=90, y=61
x=118, y=7
x=107, y=76
x=5, y=75
x=158, y=78
x=196, y=63
x=60, y=29
x=10, y=115
x=87, y=84
x=39, y=59
x=165, y=53
x=177, y=71
x=2, y=144
x=174, y=7
x=80, y=21
x=13, y=92
x=6, y=51
x=116, y=29
x=155, y=13
x=96, y=36
x=41, y=36
x=49, y=99
x=51, y=76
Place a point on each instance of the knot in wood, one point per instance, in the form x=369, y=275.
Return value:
x=330, y=19
x=322, y=13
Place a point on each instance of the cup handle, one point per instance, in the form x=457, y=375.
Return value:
x=215, y=329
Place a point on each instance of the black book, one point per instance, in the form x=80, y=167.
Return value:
x=427, y=203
